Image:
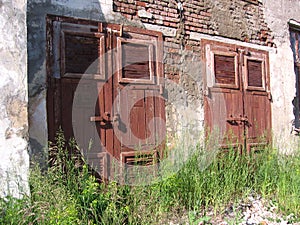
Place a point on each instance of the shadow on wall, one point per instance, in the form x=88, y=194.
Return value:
x=295, y=42
x=36, y=48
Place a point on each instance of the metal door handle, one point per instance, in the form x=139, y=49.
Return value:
x=106, y=119
x=234, y=120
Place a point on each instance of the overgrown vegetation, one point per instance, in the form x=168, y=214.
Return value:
x=68, y=194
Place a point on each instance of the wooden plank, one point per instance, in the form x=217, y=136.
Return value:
x=137, y=117
x=150, y=127
x=101, y=111
x=66, y=107
x=51, y=110
x=108, y=93
x=160, y=128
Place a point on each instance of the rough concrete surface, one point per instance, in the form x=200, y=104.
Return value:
x=14, y=156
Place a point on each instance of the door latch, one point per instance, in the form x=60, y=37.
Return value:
x=107, y=118
x=238, y=120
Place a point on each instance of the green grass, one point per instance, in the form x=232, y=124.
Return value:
x=67, y=193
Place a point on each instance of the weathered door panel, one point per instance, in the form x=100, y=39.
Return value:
x=237, y=91
x=257, y=109
x=137, y=100
x=223, y=117
x=224, y=97
x=75, y=71
x=257, y=100
x=107, y=84
x=234, y=111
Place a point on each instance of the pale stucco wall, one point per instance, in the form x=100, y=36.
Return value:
x=282, y=74
x=14, y=159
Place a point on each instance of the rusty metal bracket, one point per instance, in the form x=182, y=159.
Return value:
x=106, y=118
x=238, y=120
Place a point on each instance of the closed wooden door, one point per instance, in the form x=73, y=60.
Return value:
x=237, y=100
x=137, y=109
x=257, y=99
x=105, y=84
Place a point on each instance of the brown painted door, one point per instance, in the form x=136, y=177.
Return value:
x=137, y=109
x=237, y=101
x=75, y=72
x=224, y=96
x=105, y=85
x=257, y=99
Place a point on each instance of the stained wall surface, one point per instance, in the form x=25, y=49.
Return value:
x=283, y=75
x=14, y=156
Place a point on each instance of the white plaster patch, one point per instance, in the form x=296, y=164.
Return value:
x=4, y=125
x=282, y=77
x=4, y=74
x=14, y=167
x=144, y=14
x=107, y=11
x=167, y=31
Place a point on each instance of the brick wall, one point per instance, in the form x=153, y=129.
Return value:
x=238, y=19
x=241, y=20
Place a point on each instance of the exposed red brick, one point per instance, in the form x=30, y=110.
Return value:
x=197, y=17
x=139, y=3
x=208, y=14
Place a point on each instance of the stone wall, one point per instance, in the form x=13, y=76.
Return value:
x=241, y=20
x=13, y=99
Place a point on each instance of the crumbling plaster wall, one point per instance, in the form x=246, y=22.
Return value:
x=14, y=156
x=282, y=74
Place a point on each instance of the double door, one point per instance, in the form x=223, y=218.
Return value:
x=237, y=96
x=105, y=86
